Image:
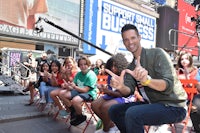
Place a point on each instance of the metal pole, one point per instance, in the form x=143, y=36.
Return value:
x=72, y=34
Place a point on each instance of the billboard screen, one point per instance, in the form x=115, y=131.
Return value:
x=18, y=18
x=104, y=20
x=188, y=40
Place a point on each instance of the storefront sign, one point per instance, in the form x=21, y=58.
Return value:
x=11, y=30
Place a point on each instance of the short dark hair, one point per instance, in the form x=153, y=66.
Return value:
x=129, y=27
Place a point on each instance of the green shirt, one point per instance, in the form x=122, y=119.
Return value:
x=96, y=70
x=159, y=66
x=89, y=79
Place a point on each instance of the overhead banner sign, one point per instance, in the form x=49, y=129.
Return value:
x=104, y=20
x=24, y=17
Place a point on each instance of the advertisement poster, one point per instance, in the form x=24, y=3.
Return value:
x=15, y=56
x=103, y=23
x=188, y=39
x=25, y=16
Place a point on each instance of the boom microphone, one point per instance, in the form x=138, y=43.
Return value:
x=39, y=29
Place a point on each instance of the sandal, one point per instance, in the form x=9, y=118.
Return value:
x=29, y=104
x=25, y=90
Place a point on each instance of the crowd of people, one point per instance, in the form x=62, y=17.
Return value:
x=144, y=92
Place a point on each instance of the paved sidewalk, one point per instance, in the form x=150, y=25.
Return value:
x=13, y=111
x=12, y=107
x=14, y=114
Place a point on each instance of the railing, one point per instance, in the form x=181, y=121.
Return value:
x=14, y=71
x=173, y=36
x=187, y=46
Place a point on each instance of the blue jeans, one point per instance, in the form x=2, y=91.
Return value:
x=45, y=91
x=131, y=117
x=42, y=89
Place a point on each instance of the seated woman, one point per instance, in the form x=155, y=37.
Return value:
x=83, y=88
x=186, y=70
x=101, y=105
x=54, y=79
x=185, y=67
x=68, y=72
x=102, y=69
x=97, y=66
x=33, y=85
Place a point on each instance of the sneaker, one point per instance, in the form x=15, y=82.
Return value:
x=37, y=97
x=114, y=130
x=79, y=119
x=159, y=129
x=100, y=131
x=26, y=89
x=153, y=129
x=43, y=100
x=30, y=103
x=63, y=113
x=163, y=129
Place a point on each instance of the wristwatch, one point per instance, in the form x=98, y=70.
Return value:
x=146, y=83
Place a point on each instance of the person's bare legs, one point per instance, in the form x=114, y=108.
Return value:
x=77, y=104
x=32, y=92
x=55, y=96
x=96, y=105
x=31, y=89
x=26, y=82
x=107, y=123
x=65, y=96
x=100, y=108
x=22, y=82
